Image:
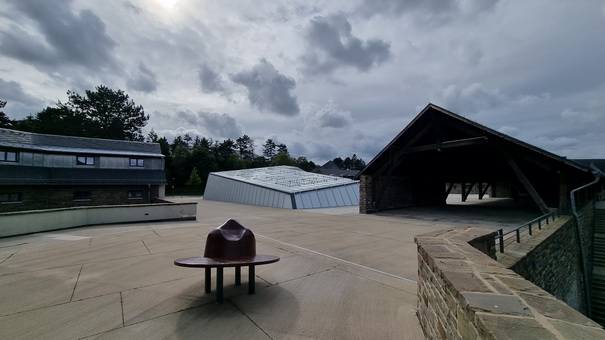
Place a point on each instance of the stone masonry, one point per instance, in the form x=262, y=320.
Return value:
x=463, y=293
x=551, y=260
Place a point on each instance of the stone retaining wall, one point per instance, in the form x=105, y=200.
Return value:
x=551, y=260
x=463, y=293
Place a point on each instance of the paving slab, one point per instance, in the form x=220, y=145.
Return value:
x=150, y=302
x=45, y=287
x=54, y=256
x=213, y=321
x=340, y=276
x=73, y=320
x=330, y=305
x=113, y=276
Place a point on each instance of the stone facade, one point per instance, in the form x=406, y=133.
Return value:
x=392, y=192
x=49, y=197
x=366, y=194
x=463, y=293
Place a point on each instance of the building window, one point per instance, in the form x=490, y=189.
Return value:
x=82, y=195
x=11, y=197
x=85, y=160
x=135, y=195
x=138, y=162
x=8, y=156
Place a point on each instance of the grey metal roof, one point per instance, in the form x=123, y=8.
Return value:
x=286, y=179
x=68, y=144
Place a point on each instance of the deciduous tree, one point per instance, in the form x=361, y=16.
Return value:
x=107, y=114
x=5, y=122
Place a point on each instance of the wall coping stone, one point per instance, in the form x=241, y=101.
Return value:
x=483, y=298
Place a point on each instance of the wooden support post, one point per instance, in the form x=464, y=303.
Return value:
x=463, y=190
x=482, y=192
x=526, y=183
x=465, y=195
x=449, y=189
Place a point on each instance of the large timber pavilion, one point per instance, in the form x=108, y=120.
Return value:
x=439, y=150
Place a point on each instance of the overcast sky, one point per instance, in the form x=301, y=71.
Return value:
x=327, y=78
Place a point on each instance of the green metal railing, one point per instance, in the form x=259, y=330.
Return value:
x=514, y=236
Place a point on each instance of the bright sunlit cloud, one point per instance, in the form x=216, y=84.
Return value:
x=167, y=3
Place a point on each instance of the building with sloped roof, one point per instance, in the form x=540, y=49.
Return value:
x=281, y=187
x=39, y=171
x=330, y=168
x=439, y=149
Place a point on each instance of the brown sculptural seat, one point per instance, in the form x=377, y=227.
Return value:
x=230, y=240
x=230, y=245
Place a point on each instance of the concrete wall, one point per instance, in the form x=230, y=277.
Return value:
x=19, y=223
x=463, y=293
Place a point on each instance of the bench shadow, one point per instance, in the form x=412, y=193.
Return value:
x=240, y=315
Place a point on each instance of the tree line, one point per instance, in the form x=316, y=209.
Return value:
x=111, y=114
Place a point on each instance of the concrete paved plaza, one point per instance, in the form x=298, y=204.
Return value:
x=342, y=275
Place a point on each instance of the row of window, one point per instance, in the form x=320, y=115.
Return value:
x=11, y=197
x=89, y=160
x=10, y=156
x=87, y=195
x=17, y=197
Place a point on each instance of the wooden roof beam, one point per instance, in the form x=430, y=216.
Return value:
x=526, y=183
x=443, y=145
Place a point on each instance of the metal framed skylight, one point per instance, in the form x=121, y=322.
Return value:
x=285, y=178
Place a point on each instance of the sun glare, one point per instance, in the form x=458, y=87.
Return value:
x=167, y=3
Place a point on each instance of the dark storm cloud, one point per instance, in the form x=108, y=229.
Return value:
x=13, y=92
x=18, y=103
x=216, y=124
x=427, y=10
x=144, y=80
x=210, y=81
x=63, y=37
x=268, y=89
x=315, y=150
x=332, y=45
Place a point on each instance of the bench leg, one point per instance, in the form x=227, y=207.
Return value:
x=207, y=281
x=219, y=284
x=238, y=276
x=251, y=277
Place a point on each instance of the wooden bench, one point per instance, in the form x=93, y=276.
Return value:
x=230, y=245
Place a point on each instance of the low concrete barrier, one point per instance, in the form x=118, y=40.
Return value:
x=34, y=221
x=463, y=293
